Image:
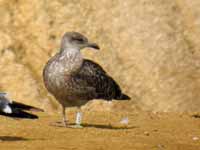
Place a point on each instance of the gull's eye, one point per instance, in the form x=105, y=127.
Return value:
x=80, y=40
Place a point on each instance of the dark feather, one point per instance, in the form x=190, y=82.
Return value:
x=18, y=105
x=96, y=83
x=17, y=113
x=18, y=109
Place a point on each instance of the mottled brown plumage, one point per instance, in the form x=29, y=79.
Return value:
x=74, y=80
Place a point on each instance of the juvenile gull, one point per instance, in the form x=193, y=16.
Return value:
x=15, y=109
x=74, y=80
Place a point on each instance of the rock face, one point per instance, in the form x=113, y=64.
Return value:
x=153, y=45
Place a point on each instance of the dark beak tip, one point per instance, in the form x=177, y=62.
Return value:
x=97, y=47
x=94, y=45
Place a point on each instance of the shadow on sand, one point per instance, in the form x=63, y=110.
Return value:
x=100, y=126
x=12, y=138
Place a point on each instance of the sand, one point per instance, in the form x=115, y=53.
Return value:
x=150, y=47
x=103, y=131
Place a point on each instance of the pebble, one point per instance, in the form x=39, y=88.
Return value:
x=146, y=133
x=195, y=138
x=124, y=120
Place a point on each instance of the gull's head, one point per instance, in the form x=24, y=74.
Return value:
x=75, y=40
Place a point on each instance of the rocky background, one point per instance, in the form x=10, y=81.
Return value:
x=151, y=47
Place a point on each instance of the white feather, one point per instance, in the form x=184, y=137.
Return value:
x=124, y=120
x=7, y=109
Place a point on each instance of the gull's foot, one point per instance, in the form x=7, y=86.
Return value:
x=77, y=126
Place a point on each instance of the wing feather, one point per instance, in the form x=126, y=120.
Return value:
x=92, y=76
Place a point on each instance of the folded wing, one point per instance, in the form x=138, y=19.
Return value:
x=95, y=83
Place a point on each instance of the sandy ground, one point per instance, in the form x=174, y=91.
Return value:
x=103, y=131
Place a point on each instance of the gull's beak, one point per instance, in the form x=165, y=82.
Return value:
x=93, y=45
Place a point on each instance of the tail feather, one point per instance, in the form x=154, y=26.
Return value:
x=24, y=106
x=20, y=114
x=123, y=97
x=19, y=111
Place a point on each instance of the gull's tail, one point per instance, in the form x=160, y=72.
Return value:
x=123, y=97
x=17, y=113
x=18, y=110
x=24, y=107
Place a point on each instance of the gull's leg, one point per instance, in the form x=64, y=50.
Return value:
x=64, y=116
x=78, y=118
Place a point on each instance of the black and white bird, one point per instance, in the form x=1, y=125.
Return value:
x=74, y=80
x=15, y=109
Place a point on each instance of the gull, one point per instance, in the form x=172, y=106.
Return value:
x=74, y=81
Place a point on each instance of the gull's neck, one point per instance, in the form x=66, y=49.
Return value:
x=70, y=52
x=71, y=58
